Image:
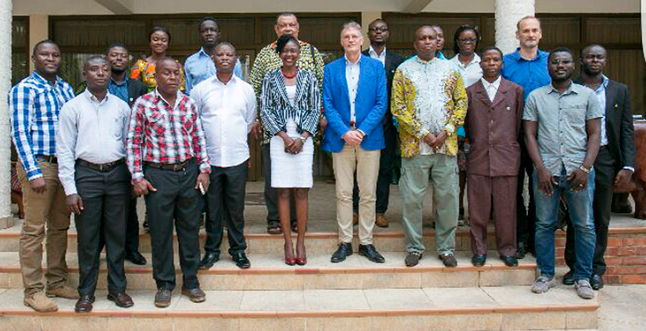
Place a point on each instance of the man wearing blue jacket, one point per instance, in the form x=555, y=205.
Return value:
x=355, y=100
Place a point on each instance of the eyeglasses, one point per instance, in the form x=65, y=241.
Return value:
x=467, y=41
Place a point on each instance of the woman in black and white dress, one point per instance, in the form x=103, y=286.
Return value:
x=290, y=111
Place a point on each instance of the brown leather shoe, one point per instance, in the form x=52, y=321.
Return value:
x=448, y=260
x=381, y=221
x=62, y=292
x=195, y=294
x=121, y=299
x=40, y=303
x=162, y=298
x=355, y=218
x=84, y=304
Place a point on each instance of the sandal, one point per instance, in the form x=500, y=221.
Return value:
x=273, y=227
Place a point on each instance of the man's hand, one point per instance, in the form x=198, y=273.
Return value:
x=74, y=203
x=143, y=187
x=429, y=139
x=38, y=185
x=578, y=180
x=256, y=129
x=203, y=179
x=545, y=181
x=352, y=137
x=439, y=140
x=623, y=178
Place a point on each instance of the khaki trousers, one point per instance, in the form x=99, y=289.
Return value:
x=349, y=160
x=46, y=215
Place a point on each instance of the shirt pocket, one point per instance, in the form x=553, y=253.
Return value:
x=575, y=117
x=156, y=120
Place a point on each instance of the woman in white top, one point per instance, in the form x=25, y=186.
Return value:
x=290, y=112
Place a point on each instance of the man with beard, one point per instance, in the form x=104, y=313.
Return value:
x=199, y=66
x=128, y=90
x=91, y=153
x=616, y=160
x=268, y=61
x=562, y=133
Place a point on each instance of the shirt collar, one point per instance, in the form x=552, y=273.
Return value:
x=418, y=59
x=40, y=79
x=516, y=55
x=112, y=81
x=476, y=60
x=216, y=80
x=92, y=98
x=347, y=62
x=496, y=83
x=160, y=97
x=202, y=52
x=571, y=89
x=372, y=51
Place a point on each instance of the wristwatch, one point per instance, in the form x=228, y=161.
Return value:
x=584, y=169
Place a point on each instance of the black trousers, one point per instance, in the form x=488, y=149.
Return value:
x=386, y=162
x=271, y=194
x=132, y=227
x=225, y=203
x=604, y=168
x=174, y=202
x=526, y=217
x=105, y=198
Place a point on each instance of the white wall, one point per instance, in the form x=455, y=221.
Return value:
x=542, y=6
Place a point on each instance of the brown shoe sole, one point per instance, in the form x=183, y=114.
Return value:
x=41, y=310
x=162, y=304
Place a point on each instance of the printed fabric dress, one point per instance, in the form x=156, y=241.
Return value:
x=145, y=72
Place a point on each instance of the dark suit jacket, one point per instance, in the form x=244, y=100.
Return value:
x=135, y=90
x=392, y=62
x=619, y=124
x=493, y=129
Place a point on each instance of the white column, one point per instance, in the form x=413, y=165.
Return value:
x=6, y=219
x=508, y=13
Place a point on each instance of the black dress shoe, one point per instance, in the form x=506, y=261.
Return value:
x=341, y=253
x=121, y=299
x=136, y=258
x=568, y=278
x=370, y=252
x=479, y=260
x=241, y=260
x=84, y=304
x=195, y=294
x=509, y=260
x=521, y=250
x=162, y=298
x=596, y=281
x=209, y=260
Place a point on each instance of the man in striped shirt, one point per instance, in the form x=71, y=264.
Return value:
x=35, y=104
x=166, y=156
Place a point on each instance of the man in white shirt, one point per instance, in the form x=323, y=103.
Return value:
x=227, y=107
x=92, y=168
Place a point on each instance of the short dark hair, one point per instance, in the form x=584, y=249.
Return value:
x=162, y=60
x=456, y=36
x=491, y=48
x=209, y=19
x=159, y=29
x=284, y=40
x=224, y=43
x=560, y=50
x=286, y=14
x=116, y=45
x=93, y=58
x=588, y=47
x=43, y=42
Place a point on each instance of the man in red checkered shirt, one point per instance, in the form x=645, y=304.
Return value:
x=166, y=156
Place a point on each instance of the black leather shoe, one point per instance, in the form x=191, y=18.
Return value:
x=596, y=281
x=568, y=278
x=209, y=260
x=521, y=250
x=342, y=252
x=509, y=260
x=241, y=260
x=162, y=298
x=195, y=294
x=370, y=252
x=479, y=260
x=136, y=258
x=121, y=299
x=84, y=304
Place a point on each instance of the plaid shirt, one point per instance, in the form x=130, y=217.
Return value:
x=35, y=106
x=164, y=134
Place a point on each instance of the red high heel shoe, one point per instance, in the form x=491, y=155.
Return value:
x=301, y=261
x=290, y=260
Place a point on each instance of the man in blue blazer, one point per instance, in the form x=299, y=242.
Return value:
x=355, y=101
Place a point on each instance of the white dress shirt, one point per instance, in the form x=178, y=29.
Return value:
x=90, y=130
x=472, y=72
x=380, y=57
x=491, y=88
x=352, y=71
x=227, y=112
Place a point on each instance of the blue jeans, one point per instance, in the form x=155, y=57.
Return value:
x=579, y=206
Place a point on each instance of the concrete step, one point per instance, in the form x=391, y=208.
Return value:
x=269, y=272
x=472, y=308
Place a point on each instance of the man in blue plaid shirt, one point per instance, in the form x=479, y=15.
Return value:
x=35, y=104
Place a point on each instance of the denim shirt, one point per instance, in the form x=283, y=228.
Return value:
x=199, y=67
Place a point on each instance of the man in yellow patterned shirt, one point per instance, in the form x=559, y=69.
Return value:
x=430, y=102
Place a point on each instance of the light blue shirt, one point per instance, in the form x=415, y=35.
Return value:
x=120, y=90
x=601, y=96
x=199, y=67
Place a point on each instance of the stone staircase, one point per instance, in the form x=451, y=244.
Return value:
x=353, y=295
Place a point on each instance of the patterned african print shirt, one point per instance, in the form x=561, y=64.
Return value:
x=428, y=96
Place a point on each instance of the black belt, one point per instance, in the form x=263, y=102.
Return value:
x=47, y=158
x=105, y=167
x=172, y=167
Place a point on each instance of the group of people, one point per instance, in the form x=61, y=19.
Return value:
x=177, y=135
